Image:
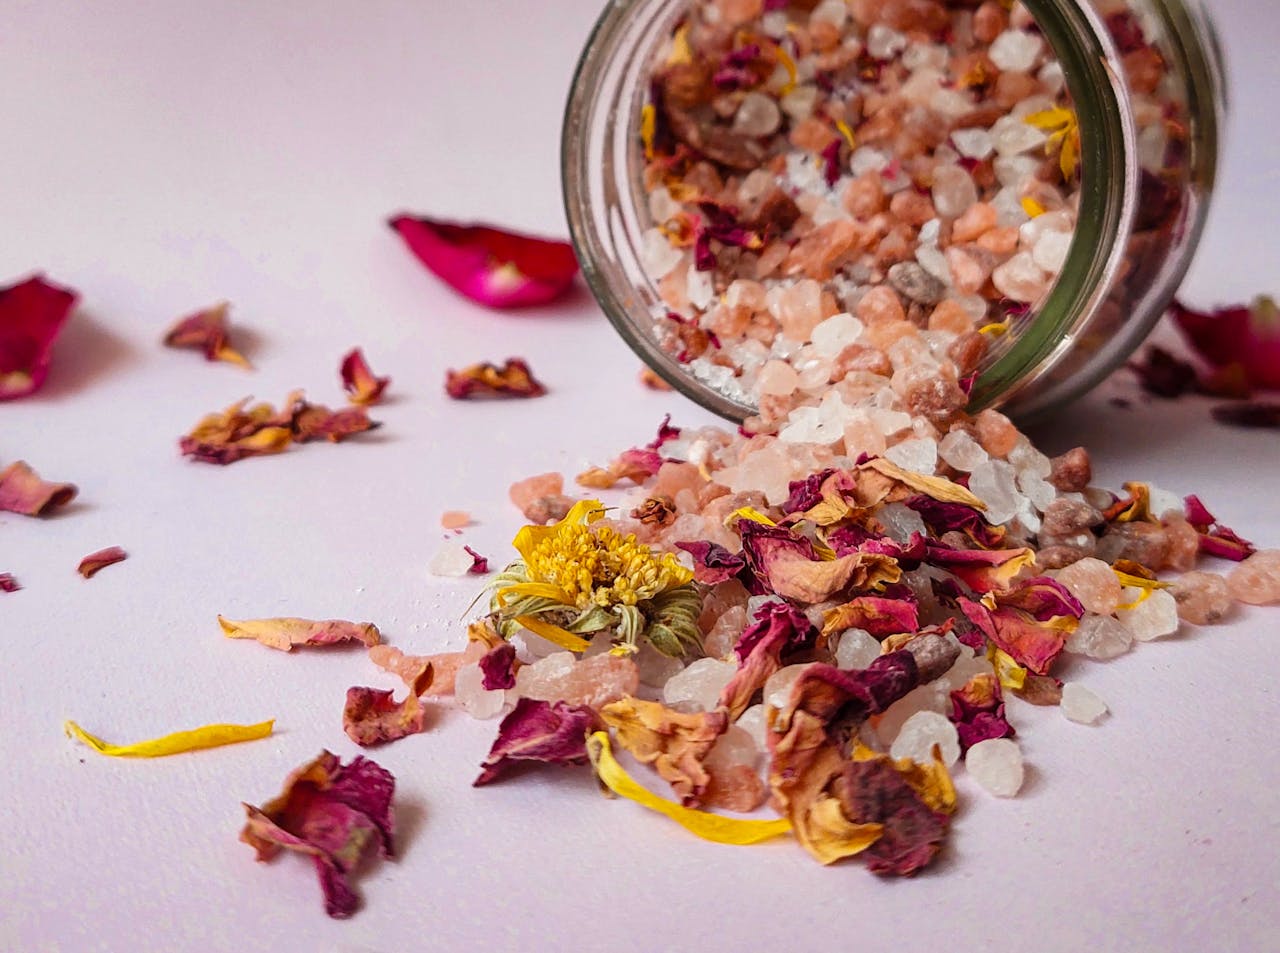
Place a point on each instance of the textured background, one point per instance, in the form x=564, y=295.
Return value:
x=162, y=156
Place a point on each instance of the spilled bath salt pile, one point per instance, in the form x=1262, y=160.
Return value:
x=826, y=631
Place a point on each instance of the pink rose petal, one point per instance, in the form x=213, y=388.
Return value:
x=91, y=564
x=1247, y=336
x=360, y=383
x=492, y=266
x=22, y=491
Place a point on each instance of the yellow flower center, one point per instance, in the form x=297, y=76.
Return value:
x=603, y=566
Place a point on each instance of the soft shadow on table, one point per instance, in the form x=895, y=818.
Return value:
x=1110, y=431
x=86, y=352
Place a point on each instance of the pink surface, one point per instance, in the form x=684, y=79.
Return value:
x=160, y=157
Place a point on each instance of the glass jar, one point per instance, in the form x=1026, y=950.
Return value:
x=1149, y=138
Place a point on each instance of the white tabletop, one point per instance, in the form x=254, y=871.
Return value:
x=161, y=156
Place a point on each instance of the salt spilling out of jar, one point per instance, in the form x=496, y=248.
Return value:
x=840, y=198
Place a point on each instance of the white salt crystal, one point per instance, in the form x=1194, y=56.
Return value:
x=1100, y=637
x=933, y=697
x=698, y=686
x=857, y=648
x=1012, y=136
x=700, y=289
x=662, y=207
x=1080, y=704
x=475, y=699
x=657, y=254
x=950, y=102
x=1020, y=278
x=996, y=764
x=930, y=231
x=834, y=12
x=1031, y=231
x=1015, y=51
x=884, y=42
x=1014, y=171
x=1053, y=80
x=961, y=451
x=935, y=263
x=654, y=667
x=836, y=333
x=1050, y=252
x=777, y=690
x=1025, y=457
x=798, y=104
x=900, y=521
x=757, y=115
x=1161, y=501
x=918, y=456
x=451, y=560
x=919, y=56
x=889, y=422
x=755, y=722
x=1153, y=617
x=973, y=143
x=992, y=482
x=1038, y=490
x=919, y=734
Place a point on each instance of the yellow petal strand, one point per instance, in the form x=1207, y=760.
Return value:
x=680, y=51
x=1130, y=580
x=748, y=513
x=1033, y=208
x=1051, y=119
x=1012, y=675
x=790, y=66
x=208, y=736
x=712, y=827
x=1069, y=157
x=1143, y=595
x=648, y=128
x=845, y=131
x=995, y=328
x=553, y=633
x=545, y=590
x=939, y=488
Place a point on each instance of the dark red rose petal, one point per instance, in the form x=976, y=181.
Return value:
x=32, y=313
x=546, y=732
x=513, y=379
x=1247, y=336
x=94, y=562
x=493, y=266
x=360, y=383
x=8, y=583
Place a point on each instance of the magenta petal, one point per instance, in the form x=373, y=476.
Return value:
x=498, y=667
x=32, y=313
x=495, y=267
x=549, y=732
x=1248, y=336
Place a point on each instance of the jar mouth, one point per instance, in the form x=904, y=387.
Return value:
x=605, y=226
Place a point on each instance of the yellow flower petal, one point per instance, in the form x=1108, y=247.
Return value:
x=939, y=488
x=680, y=52
x=1052, y=119
x=545, y=590
x=843, y=128
x=648, y=127
x=832, y=836
x=995, y=328
x=712, y=827
x=748, y=513
x=584, y=512
x=209, y=736
x=553, y=633
x=1033, y=208
x=1012, y=675
x=1139, y=581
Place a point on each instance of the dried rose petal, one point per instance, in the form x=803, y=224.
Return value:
x=1163, y=374
x=1043, y=599
x=492, y=266
x=776, y=627
x=977, y=711
x=317, y=422
x=1216, y=539
x=206, y=331
x=1248, y=336
x=513, y=379
x=875, y=614
x=876, y=792
x=1255, y=415
x=948, y=517
x=333, y=813
x=1031, y=644
x=371, y=716
x=247, y=431
x=101, y=560
x=498, y=666
x=666, y=431
x=650, y=379
x=32, y=313
x=285, y=633
x=8, y=583
x=360, y=383
x=22, y=491
x=546, y=732
x=712, y=563
x=982, y=569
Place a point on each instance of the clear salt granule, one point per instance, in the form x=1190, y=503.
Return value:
x=857, y=649
x=996, y=764
x=1099, y=637
x=921, y=732
x=698, y=687
x=1080, y=704
x=475, y=699
x=452, y=560
x=1094, y=583
x=1152, y=617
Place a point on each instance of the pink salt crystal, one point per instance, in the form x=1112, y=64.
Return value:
x=1203, y=598
x=911, y=207
x=744, y=296
x=719, y=599
x=771, y=259
x=735, y=12
x=967, y=273
x=455, y=519
x=1184, y=543
x=880, y=305
x=525, y=492
x=1256, y=581
x=674, y=476
x=444, y=665
x=995, y=432
x=1094, y=584
x=777, y=377
x=598, y=680
x=885, y=334
x=724, y=634
x=799, y=309
x=950, y=316
x=863, y=436
x=864, y=196
x=822, y=251
x=999, y=241
x=978, y=219
x=734, y=788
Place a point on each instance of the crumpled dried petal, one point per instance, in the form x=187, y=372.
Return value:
x=22, y=491
x=1215, y=539
x=982, y=570
x=712, y=563
x=786, y=563
x=479, y=564
x=333, y=813
x=1031, y=644
x=285, y=633
x=672, y=742
x=317, y=422
x=712, y=827
x=1245, y=336
x=103, y=558
x=361, y=384
x=498, y=665
x=541, y=731
x=1255, y=415
x=8, y=583
x=493, y=266
x=939, y=488
x=247, y=431
x=977, y=711
x=636, y=465
x=513, y=379
x=206, y=331
x=776, y=627
x=196, y=739
x=948, y=517
x=1163, y=374
x=32, y=313
x=1042, y=598
x=876, y=614
x=371, y=716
